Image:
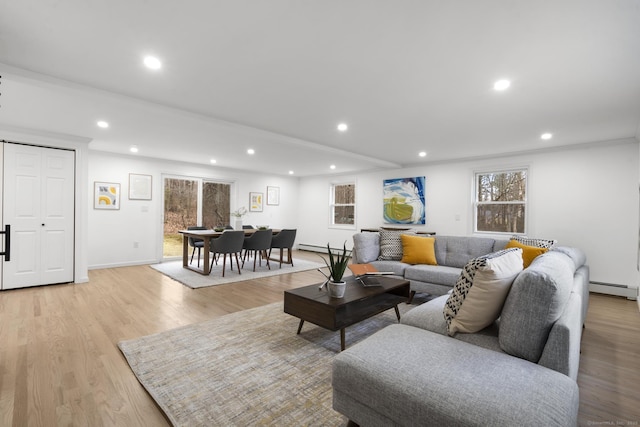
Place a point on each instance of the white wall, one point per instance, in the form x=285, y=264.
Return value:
x=586, y=197
x=112, y=233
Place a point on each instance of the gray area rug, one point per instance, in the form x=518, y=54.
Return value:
x=245, y=369
x=195, y=280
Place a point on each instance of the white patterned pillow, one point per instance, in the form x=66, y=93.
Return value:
x=391, y=244
x=481, y=289
x=537, y=243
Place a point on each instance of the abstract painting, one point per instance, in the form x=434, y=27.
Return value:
x=106, y=195
x=404, y=200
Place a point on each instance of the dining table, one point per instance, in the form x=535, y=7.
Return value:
x=206, y=236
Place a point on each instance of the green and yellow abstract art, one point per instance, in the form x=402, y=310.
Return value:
x=404, y=201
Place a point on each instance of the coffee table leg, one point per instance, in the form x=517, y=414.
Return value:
x=300, y=326
x=397, y=312
x=342, y=339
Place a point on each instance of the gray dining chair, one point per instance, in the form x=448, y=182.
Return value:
x=196, y=243
x=259, y=243
x=284, y=240
x=230, y=242
x=247, y=227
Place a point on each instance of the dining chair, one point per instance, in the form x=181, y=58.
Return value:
x=284, y=240
x=230, y=242
x=258, y=243
x=247, y=227
x=196, y=243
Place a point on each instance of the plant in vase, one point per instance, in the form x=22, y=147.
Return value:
x=337, y=265
x=238, y=214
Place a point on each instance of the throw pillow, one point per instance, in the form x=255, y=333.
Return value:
x=539, y=243
x=529, y=253
x=418, y=250
x=391, y=245
x=480, y=292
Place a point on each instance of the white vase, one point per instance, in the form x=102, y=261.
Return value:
x=238, y=224
x=336, y=289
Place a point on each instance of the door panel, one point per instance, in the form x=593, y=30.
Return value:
x=38, y=201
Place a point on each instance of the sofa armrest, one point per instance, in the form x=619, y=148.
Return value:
x=403, y=375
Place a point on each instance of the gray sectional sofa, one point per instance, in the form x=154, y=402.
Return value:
x=521, y=370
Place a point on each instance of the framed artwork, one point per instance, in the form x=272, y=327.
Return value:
x=106, y=195
x=403, y=200
x=273, y=195
x=139, y=187
x=255, y=202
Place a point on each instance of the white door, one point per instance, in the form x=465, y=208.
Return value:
x=38, y=203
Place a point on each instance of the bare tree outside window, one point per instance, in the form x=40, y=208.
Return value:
x=343, y=204
x=501, y=201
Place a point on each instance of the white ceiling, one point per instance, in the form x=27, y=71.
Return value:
x=279, y=75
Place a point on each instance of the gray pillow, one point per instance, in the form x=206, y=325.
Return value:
x=366, y=247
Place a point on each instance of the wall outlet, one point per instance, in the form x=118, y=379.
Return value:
x=135, y=245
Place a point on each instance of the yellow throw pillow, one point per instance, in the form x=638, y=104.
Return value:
x=418, y=250
x=529, y=253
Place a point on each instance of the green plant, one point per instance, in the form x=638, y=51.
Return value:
x=337, y=263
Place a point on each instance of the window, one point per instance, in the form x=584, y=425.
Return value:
x=192, y=201
x=343, y=204
x=501, y=201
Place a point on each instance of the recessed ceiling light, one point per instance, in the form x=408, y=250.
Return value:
x=342, y=127
x=501, y=84
x=103, y=124
x=290, y=172
x=152, y=62
x=546, y=136
x=422, y=154
x=332, y=167
x=133, y=148
x=212, y=161
x=251, y=151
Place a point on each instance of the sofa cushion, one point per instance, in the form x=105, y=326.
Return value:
x=456, y=251
x=368, y=247
x=529, y=253
x=391, y=245
x=407, y=376
x=418, y=249
x=479, y=293
x=428, y=316
x=438, y=274
x=536, y=300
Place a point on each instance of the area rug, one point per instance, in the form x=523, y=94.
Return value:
x=176, y=271
x=245, y=369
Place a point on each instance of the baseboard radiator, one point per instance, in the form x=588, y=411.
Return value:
x=614, y=289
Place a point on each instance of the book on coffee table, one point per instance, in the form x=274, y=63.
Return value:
x=359, y=270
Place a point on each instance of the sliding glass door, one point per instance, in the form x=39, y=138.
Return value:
x=192, y=201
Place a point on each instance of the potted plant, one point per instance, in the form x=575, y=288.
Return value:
x=337, y=265
x=238, y=214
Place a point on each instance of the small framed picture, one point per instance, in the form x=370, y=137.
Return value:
x=255, y=202
x=139, y=187
x=106, y=195
x=273, y=195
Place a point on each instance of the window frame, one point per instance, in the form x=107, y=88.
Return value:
x=333, y=205
x=525, y=202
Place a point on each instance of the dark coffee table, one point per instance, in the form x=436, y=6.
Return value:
x=359, y=303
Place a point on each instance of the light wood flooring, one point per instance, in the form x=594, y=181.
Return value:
x=60, y=364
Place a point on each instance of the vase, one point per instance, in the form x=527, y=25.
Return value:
x=336, y=289
x=238, y=224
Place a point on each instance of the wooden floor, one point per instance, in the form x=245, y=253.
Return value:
x=60, y=364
